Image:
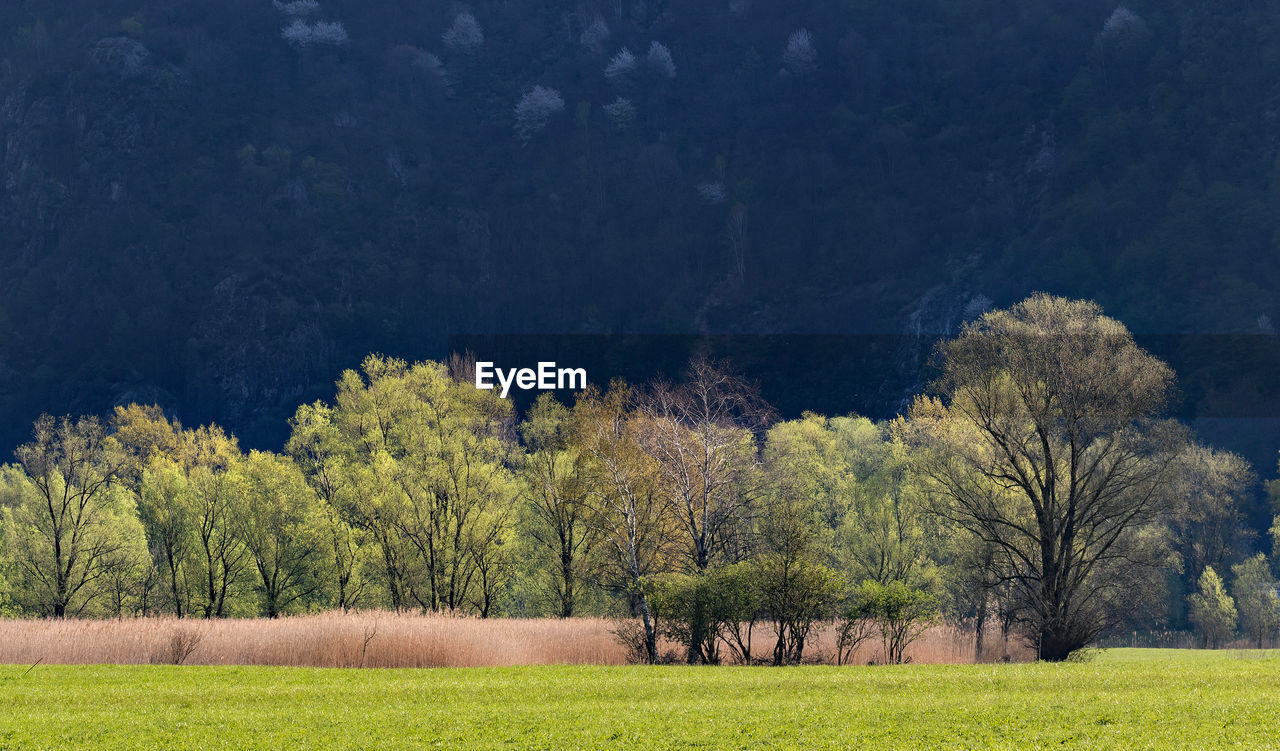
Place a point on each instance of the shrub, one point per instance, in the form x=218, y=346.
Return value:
x=855, y=623
x=707, y=610
x=182, y=642
x=796, y=592
x=902, y=612
x=630, y=633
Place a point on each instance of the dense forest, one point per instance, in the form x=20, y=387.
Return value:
x=218, y=205
x=1045, y=491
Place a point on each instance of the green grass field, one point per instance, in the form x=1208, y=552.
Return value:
x=1120, y=699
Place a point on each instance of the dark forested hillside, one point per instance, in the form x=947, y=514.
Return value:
x=218, y=204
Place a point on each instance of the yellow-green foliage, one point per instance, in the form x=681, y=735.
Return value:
x=1213, y=611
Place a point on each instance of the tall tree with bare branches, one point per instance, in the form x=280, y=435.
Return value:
x=1048, y=446
x=701, y=435
x=626, y=508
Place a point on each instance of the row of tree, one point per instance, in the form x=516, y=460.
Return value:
x=1040, y=488
x=1252, y=607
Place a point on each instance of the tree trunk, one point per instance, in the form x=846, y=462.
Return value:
x=173, y=581
x=1056, y=645
x=693, y=655
x=979, y=631
x=650, y=632
x=566, y=576
x=780, y=647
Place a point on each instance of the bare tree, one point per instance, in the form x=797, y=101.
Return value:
x=626, y=509
x=702, y=438
x=1048, y=448
x=701, y=434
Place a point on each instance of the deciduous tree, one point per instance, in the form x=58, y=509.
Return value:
x=1257, y=602
x=1048, y=446
x=1208, y=490
x=67, y=518
x=628, y=511
x=1213, y=611
x=556, y=494
x=277, y=519
x=701, y=436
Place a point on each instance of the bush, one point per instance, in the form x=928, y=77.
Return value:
x=796, y=592
x=855, y=623
x=708, y=610
x=902, y=612
x=182, y=643
x=629, y=632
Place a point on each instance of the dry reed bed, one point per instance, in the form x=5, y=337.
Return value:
x=940, y=645
x=386, y=640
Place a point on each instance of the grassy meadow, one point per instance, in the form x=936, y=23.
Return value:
x=1120, y=699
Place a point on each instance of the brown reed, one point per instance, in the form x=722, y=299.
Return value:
x=386, y=640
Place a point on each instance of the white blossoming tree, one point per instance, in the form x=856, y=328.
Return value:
x=535, y=109
x=464, y=34
x=659, y=60
x=800, y=56
x=301, y=34
x=621, y=66
x=1122, y=22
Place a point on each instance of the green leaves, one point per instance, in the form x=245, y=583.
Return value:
x=902, y=613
